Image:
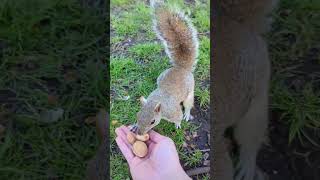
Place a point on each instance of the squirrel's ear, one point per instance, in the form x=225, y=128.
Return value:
x=143, y=100
x=157, y=108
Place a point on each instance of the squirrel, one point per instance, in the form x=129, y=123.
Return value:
x=240, y=76
x=176, y=84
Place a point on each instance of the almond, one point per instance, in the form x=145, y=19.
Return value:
x=131, y=137
x=143, y=138
x=140, y=149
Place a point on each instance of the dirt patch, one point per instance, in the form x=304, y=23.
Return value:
x=198, y=139
x=307, y=72
x=299, y=160
x=282, y=161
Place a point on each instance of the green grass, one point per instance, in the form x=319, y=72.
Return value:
x=203, y=96
x=295, y=32
x=201, y=15
x=119, y=169
x=50, y=49
x=146, y=52
x=192, y=160
x=119, y=2
x=300, y=110
x=134, y=72
x=202, y=72
x=135, y=22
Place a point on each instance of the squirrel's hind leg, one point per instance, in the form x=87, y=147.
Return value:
x=178, y=125
x=177, y=118
x=249, y=133
x=188, y=104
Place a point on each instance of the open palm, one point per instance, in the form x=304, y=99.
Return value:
x=161, y=162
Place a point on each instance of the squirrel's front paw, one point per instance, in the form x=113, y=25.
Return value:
x=133, y=128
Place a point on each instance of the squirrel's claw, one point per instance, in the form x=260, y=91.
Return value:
x=178, y=125
x=134, y=128
x=187, y=117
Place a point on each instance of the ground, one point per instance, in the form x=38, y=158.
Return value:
x=293, y=149
x=52, y=60
x=137, y=59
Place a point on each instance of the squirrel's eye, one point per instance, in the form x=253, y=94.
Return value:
x=153, y=121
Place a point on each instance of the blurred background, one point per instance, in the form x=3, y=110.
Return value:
x=52, y=83
x=294, y=137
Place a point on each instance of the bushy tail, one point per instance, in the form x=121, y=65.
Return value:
x=177, y=33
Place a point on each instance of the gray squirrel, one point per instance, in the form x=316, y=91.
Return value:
x=175, y=85
x=240, y=77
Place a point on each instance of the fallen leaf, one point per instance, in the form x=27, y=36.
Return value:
x=206, y=156
x=114, y=122
x=192, y=145
x=195, y=134
x=206, y=163
x=2, y=129
x=188, y=138
x=52, y=115
x=52, y=100
x=4, y=117
x=184, y=144
x=70, y=76
x=90, y=120
x=101, y=124
x=126, y=98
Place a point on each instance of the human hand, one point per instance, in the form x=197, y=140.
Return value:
x=161, y=162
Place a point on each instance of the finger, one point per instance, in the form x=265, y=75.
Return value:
x=119, y=131
x=122, y=133
x=126, y=151
x=125, y=130
x=156, y=137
